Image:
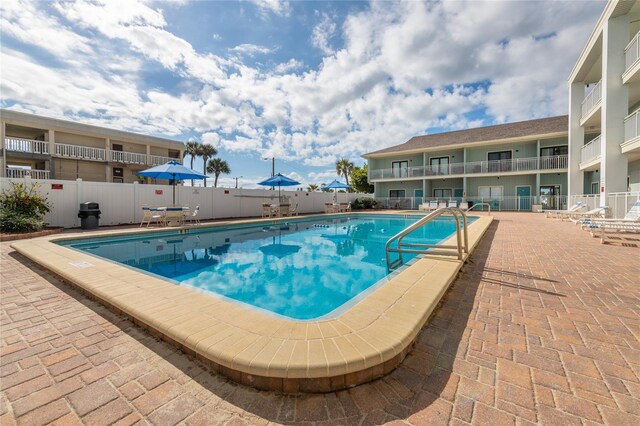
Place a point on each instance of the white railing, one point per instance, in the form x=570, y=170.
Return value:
x=477, y=167
x=592, y=100
x=81, y=152
x=632, y=52
x=632, y=126
x=128, y=157
x=157, y=160
x=590, y=151
x=505, y=203
x=18, y=172
x=26, y=145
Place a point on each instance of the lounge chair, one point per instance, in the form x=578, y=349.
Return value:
x=464, y=205
x=283, y=210
x=453, y=203
x=576, y=207
x=633, y=215
x=442, y=204
x=606, y=228
x=576, y=217
x=328, y=208
x=433, y=205
x=294, y=210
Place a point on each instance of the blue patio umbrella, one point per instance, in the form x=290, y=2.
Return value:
x=335, y=185
x=173, y=171
x=279, y=180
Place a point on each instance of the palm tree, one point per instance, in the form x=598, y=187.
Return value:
x=206, y=151
x=344, y=167
x=192, y=149
x=217, y=166
x=312, y=187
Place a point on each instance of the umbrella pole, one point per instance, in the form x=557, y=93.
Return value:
x=174, y=189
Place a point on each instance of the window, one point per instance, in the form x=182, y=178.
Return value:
x=400, y=169
x=594, y=187
x=116, y=147
x=439, y=165
x=173, y=154
x=442, y=193
x=396, y=193
x=118, y=172
x=554, y=150
x=490, y=191
x=498, y=161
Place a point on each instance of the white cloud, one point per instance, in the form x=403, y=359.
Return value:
x=291, y=65
x=323, y=32
x=216, y=36
x=278, y=7
x=250, y=49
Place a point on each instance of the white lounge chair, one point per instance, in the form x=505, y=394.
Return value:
x=433, y=205
x=453, y=203
x=607, y=228
x=576, y=207
x=633, y=215
x=267, y=210
x=464, y=205
x=294, y=210
x=442, y=204
x=192, y=216
x=576, y=217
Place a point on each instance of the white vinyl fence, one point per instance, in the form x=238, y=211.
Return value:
x=121, y=203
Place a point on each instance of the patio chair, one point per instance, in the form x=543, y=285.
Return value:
x=464, y=205
x=442, y=204
x=283, y=210
x=267, y=210
x=152, y=215
x=423, y=206
x=173, y=215
x=433, y=205
x=328, y=208
x=192, y=216
x=146, y=215
x=453, y=203
x=343, y=207
x=294, y=210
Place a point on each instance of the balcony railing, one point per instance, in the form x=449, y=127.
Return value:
x=479, y=167
x=80, y=152
x=592, y=100
x=18, y=172
x=128, y=157
x=503, y=203
x=632, y=126
x=590, y=151
x=632, y=52
x=26, y=145
x=157, y=160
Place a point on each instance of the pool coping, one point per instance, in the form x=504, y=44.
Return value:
x=366, y=341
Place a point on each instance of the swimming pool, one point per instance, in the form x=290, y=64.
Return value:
x=302, y=269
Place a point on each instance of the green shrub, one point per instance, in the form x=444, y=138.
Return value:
x=22, y=208
x=363, y=203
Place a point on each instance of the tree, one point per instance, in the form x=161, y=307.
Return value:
x=344, y=167
x=207, y=151
x=192, y=149
x=312, y=187
x=359, y=180
x=218, y=166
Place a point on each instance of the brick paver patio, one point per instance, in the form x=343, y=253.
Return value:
x=542, y=327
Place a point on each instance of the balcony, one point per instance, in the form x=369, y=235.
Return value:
x=18, y=172
x=591, y=102
x=479, y=167
x=157, y=160
x=27, y=146
x=80, y=152
x=128, y=158
x=590, y=153
x=631, y=132
x=631, y=59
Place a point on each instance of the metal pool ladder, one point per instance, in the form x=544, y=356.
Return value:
x=462, y=239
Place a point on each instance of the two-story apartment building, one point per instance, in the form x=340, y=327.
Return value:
x=47, y=148
x=604, y=100
x=512, y=166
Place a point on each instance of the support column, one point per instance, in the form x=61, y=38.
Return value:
x=107, y=167
x=615, y=107
x=575, y=177
x=3, y=166
x=50, y=137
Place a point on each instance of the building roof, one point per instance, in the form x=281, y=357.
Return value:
x=39, y=121
x=531, y=129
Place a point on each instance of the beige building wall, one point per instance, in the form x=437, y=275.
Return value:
x=73, y=169
x=81, y=140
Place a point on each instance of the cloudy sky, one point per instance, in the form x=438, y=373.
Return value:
x=304, y=82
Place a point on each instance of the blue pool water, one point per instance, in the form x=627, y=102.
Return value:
x=303, y=269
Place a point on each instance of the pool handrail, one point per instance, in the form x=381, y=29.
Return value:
x=481, y=204
x=427, y=248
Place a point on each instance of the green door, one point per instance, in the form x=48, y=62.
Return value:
x=457, y=193
x=523, y=197
x=418, y=193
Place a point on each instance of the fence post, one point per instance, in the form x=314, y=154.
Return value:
x=78, y=198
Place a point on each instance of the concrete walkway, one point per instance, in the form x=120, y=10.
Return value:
x=542, y=327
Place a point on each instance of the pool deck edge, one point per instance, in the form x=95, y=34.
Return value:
x=365, y=342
